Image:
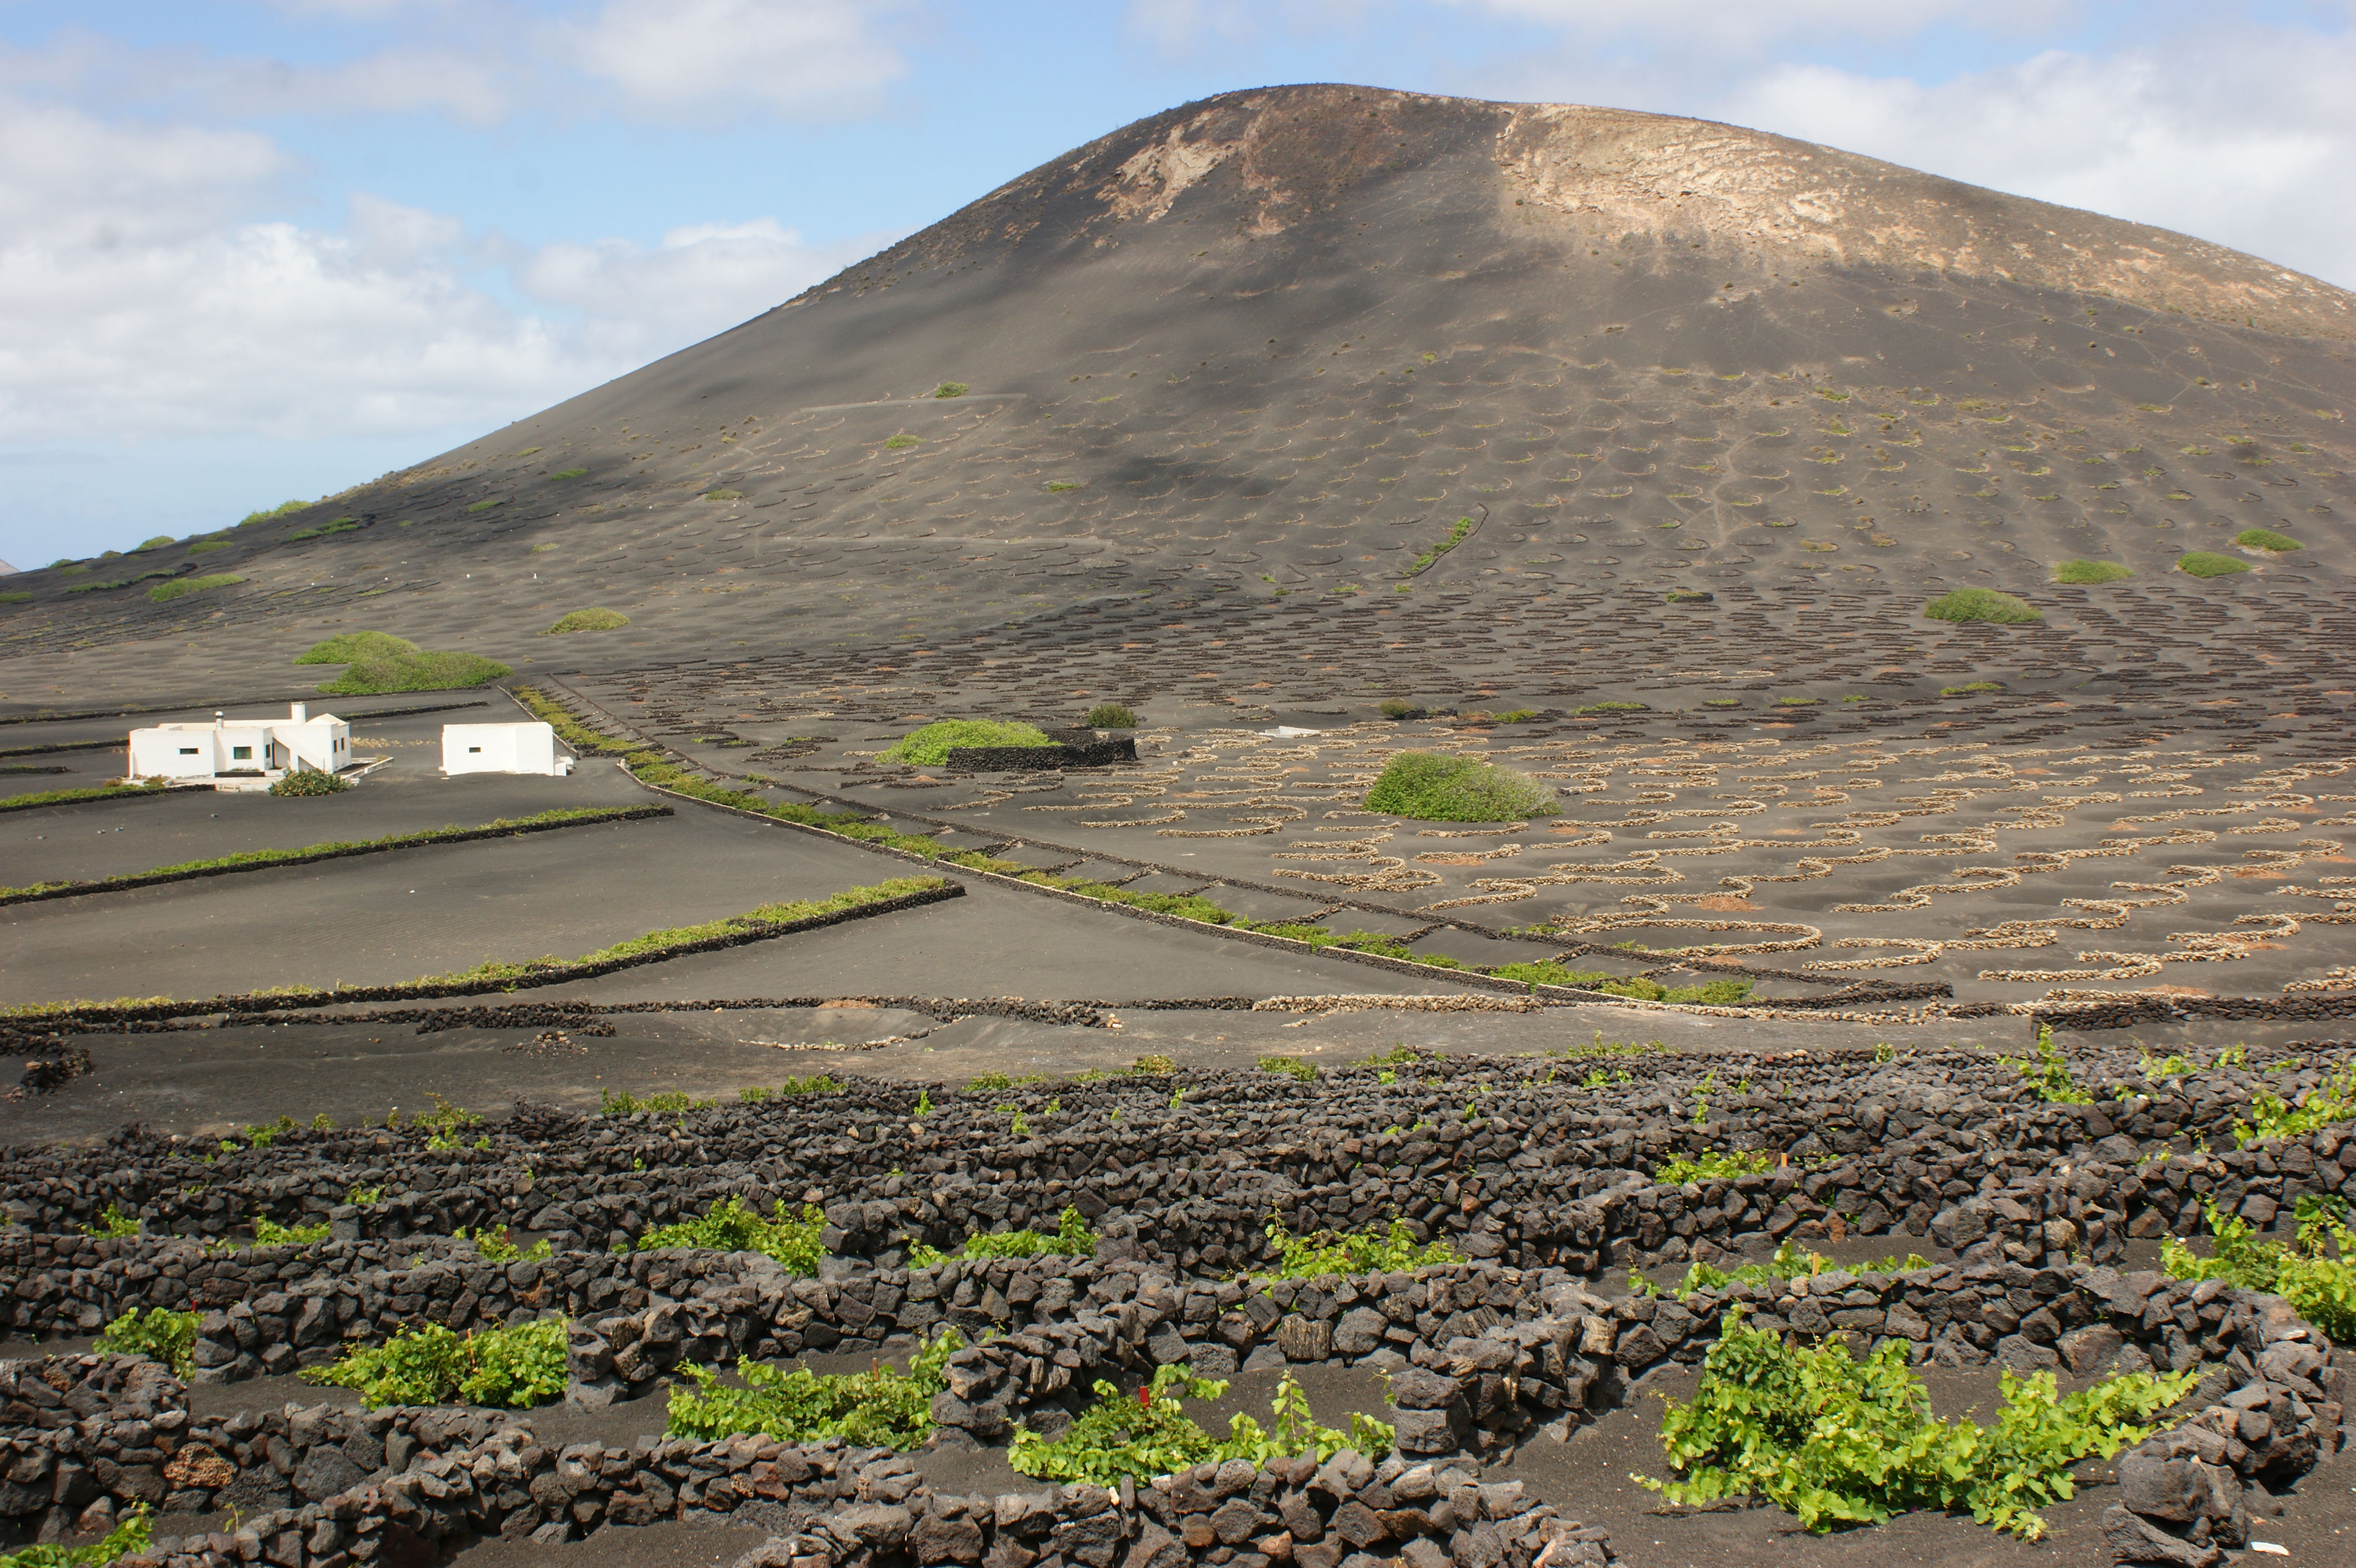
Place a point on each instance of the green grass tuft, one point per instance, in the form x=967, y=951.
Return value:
x=281, y=509
x=929, y=746
x=422, y=672
x=568, y=473
x=486, y=506
x=1110, y=715
x=15, y=597
x=351, y=647
x=1435, y=788
x=2268, y=538
x=589, y=620
x=952, y=389
x=901, y=442
x=165, y=592
x=2208, y=563
x=2090, y=572
x=1963, y=605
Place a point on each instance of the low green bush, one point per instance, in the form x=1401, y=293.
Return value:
x=1110, y=715
x=517, y=1366
x=115, y=1222
x=423, y=672
x=1835, y=1441
x=2047, y=1071
x=1432, y=787
x=158, y=543
x=1397, y=708
x=1711, y=1165
x=160, y=1333
x=2268, y=539
x=881, y=1408
x=165, y=592
x=929, y=746
x=352, y=646
x=134, y=1534
x=1963, y=605
x=2333, y=1100
x=732, y=1226
x=568, y=473
x=588, y=621
x=2208, y=563
x=269, y=1233
x=1335, y=1252
x=2304, y=1272
x=1071, y=1238
x=17, y=596
x=952, y=389
x=1788, y=1264
x=281, y=509
x=1137, y=1437
x=310, y=782
x=1297, y=1068
x=2090, y=572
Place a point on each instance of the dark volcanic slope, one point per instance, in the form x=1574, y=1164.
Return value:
x=1278, y=342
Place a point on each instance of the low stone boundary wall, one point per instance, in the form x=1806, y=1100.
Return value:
x=1032, y=758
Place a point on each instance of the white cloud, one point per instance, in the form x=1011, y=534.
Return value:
x=701, y=280
x=1722, y=27
x=714, y=60
x=140, y=301
x=2236, y=140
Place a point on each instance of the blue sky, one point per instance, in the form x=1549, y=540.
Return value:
x=255, y=251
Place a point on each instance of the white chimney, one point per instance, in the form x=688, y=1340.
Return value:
x=298, y=713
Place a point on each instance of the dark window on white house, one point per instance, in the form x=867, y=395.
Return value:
x=187, y=751
x=242, y=753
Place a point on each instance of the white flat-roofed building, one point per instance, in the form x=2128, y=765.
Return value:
x=519, y=747
x=242, y=748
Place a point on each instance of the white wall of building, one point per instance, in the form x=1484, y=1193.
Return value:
x=501, y=749
x=241, y=745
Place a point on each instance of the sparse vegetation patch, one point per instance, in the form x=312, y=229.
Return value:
x=1965, y=605
x=1432, y=788
x=589, y=620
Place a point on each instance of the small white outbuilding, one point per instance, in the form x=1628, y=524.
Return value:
x=228, y=748
x=501, y=749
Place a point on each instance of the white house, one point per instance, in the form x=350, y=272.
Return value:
x=261, y=749
x=501, y=749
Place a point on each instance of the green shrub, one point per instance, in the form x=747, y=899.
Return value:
x=1110, y=715
x=1070, y=1239
x=1397, y=708
x=353, y=647
x=1334, y=1253
x=2208, y=563
x=1455, y=537
x=901, y=442
x=1982, y=604
x=160, y=1333
x=434, y=671
x=132, y=1535
x=1290, y=1067
x=1150, y=1434
x=486, y=506
x=1836, y=1440
x=115, y=1222
x=310, y=782
x=724, y=495
x=952, y=389
x=206, y=546
x=1547, y=972
x=17, y=596
x=2334, y=1100
x=881, y=1408
x=589, y=620
x=568, y=473
x=158, y=542
x=268, y=1233
x=517, y=1366
x=165, y=592
x=1712, y=1165
x=2047, y=1071
x=1517, y=715
x=733, y=1226
x=281, y=509
x=929, y=746
x=2259, y=539
x=1970, y=687
x=2322, y=1288
x=1435, y=788
x=2090, y=572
